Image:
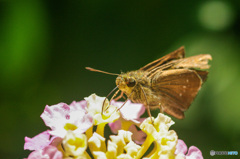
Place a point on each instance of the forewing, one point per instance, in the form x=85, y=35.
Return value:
x=177, y=89
x=179, y=53
x=194, y=62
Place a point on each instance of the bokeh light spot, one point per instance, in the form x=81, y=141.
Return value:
x=216, y=15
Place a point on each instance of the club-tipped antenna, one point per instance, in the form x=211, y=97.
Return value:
x=95, y=70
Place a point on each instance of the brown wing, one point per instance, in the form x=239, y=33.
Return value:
x=179, y=53
x=194, y=62
x=177, y=89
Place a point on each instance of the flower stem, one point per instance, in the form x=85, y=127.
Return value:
x=87, y=155
x=89, y=132
x=126, y=125
x=100, y=129
x=153, y=153
x=145, y=146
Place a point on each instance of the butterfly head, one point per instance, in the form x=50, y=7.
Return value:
x=126, y=83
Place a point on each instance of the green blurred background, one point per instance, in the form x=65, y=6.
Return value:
x=45, y=45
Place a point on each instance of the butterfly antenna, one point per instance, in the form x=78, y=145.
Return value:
x=95, y=70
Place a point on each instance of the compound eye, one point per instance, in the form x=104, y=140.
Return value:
x=131, y=82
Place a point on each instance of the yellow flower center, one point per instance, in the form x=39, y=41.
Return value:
x=164, y=141
x=77, y=143
x=69, y=126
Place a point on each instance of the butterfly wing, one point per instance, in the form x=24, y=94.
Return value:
x=179, y=53
x=193, y=62
x=177, y=89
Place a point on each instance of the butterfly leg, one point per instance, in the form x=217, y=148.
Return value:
x=149, y=113
x=120, y=96
x=110, y=100
x=161, y=108
x=148, y=108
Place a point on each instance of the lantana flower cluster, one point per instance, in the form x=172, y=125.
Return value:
x=78, y=131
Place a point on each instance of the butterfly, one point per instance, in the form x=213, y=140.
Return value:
x=169, y=83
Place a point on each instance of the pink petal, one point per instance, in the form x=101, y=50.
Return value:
x=37, y=154
x=55, y=141
x=49, y=152
x=138, y=121
x=55, y=114
x=181, y=147
x=138, y=135
x=84, y=123
x=37, y=142
x=194, y=153
x=79, y=105
x=115, y=126
x=130, y=110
